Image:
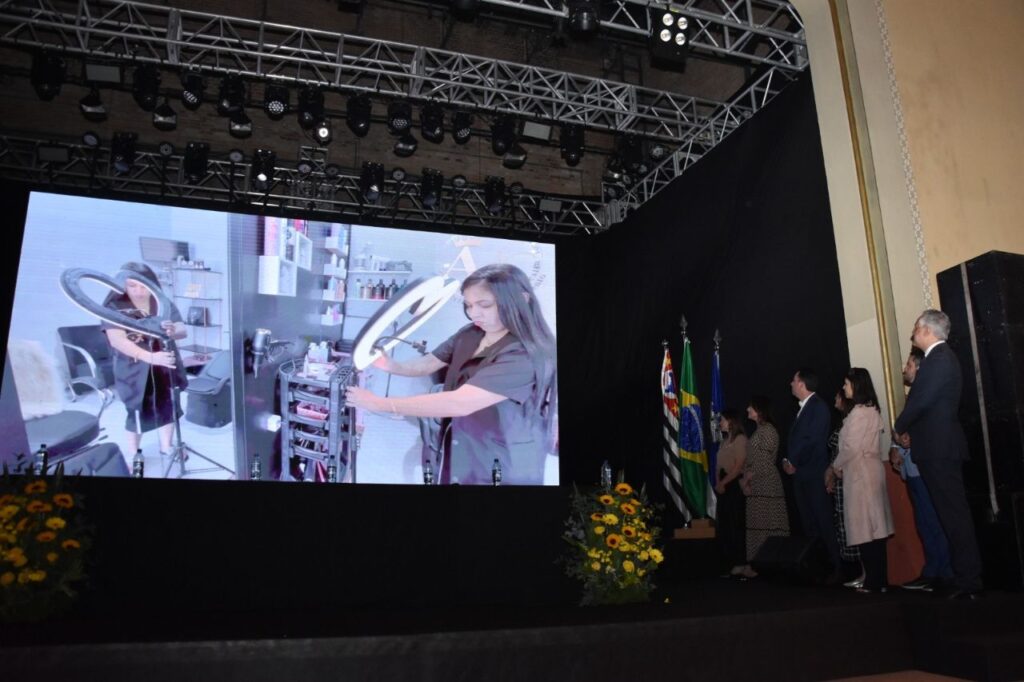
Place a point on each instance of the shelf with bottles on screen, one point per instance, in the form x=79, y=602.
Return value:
x=197, y=294
x=335, y=273
x=366, y=295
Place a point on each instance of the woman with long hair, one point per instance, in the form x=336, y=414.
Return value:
x=146, y=371
x=731, y=518
x=761, y=483
x=866, y=513
x=499, y=395
x=834, y=485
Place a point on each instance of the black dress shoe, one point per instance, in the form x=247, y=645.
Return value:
x=871, y=590
x=968, y=595
x=921, y=584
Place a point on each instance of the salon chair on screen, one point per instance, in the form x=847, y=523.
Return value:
x=88, y=360
x=72, y=437
x=209, y=393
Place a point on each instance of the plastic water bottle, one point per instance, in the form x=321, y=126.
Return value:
x=332, y=470
x=606, y=475
x=496, y=473
x=428, y=472
x=138, y=464
x=255, y=468
x=40, y=463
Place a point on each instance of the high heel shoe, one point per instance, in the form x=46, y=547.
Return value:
x=856, y=583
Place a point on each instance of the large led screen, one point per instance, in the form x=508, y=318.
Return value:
x=185, y=343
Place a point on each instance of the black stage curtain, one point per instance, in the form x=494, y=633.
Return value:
x=742, y=242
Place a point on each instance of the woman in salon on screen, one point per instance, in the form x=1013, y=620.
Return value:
x=499, y=393
x=145, y=372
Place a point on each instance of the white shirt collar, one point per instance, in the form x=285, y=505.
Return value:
x=802, y=403
x=929, y=349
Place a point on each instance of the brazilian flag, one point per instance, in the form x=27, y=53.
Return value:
x=693, y=458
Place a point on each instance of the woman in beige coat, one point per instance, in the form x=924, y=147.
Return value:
x=866, y=512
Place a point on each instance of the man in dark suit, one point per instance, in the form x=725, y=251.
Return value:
x=806, y=461
x=929, y=422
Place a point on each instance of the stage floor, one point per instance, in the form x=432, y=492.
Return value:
x=697, y=630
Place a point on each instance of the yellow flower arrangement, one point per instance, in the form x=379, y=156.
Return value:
x=42, y=534
x=614, y=557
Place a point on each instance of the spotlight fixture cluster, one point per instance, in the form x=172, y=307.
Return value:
x=669, y=41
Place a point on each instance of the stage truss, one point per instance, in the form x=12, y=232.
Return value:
x=328, y=194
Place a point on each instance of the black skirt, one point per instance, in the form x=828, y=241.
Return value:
x=159, y=403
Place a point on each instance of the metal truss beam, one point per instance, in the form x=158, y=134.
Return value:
x=337, y=198
x=754, y=31
x=218, y=45
x=747, y=102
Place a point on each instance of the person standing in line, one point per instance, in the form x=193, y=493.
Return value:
x=866, y=513
x=847, y=553
x=929, y=421
x=731, y=520
x=760, y=482
x=806, y=461
x=937, y=570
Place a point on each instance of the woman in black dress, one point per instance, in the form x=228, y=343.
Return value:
x=145, y=370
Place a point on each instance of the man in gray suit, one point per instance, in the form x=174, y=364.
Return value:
x=940, y=448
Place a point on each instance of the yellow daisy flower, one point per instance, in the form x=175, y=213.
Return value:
x=71, y=543
x=52, y=557
x=55, y=523
x=37, y=576
x=629, y=531
x=644, y=556
x=628, y=566
x=596, y=516
x=35, y=487
x=627, y=508
x=6, y=579
x=606, y=500
x=64, y=500
x=46, y=536
x=613, y=540
x=8, y=511
x=611, y=519
x=657, y=556
x=599, y=530
x=35, y=506
x=595, y=566
x=624, y=489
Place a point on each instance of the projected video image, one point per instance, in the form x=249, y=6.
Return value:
x=166, y=342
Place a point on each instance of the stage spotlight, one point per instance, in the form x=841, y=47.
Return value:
x=231, y=98
x=236, y=156
x=358, y=110
x=304, y=167
x=332, y=170
x=515, y=158
x=430, y=187
x=613, y=170
x=192, y=87
x=164, y=117
x=48, y=71
x=504, y=131
x=92, y=107
x=146, y=86
x=516, y=188
x=398, y=174
x=371, y=181
x=459, y=182
x=122, y=152
x=465, y=10
x=669, y=41
x=658, y=152
x=399, y=117
x=90, y=139
x=494, y=195
x=630, y=149
x=406, y=146
x=197, y=160
x=322, y=131
x=165, y=149
x=311, y=107
x=262, y=173
x=583, y=17
x=276, y=101
x=571, y=142
x=462, y=127
x=240, y=125
x=432, y=122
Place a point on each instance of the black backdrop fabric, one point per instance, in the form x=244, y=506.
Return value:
x=742, y=242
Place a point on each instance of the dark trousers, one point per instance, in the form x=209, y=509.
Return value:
x=731, y=524
x=929, y=529
x=944, y=479
x=815, y=507
x=876, y=564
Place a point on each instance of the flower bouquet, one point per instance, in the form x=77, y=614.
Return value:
x=42, y=540
x=611, y=535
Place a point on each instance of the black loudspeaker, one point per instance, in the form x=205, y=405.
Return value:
x=796, y=559
x=995, y=291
